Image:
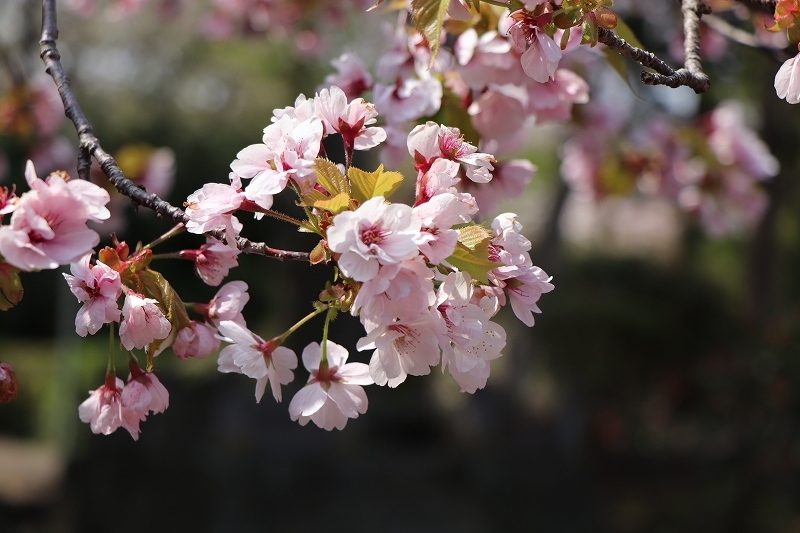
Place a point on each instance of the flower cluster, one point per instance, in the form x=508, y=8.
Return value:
x=424, y=280
x=115, y=404
x=500, y=77
x=712, y=170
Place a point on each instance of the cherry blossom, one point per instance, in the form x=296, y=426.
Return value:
x=142, y=323
x=334, y=390
x=403, y=348
x=98, y=287
x=227, y=304
x=787, y=80
x=196, y=340
x=48, y=228
x=213, y=260
x=471, y=339
x=104, y=412
x=352, y=76
x=375, y=234
x=541, y=59
x=349, y=119
x=510, y=179
x=254, y=357
x=212, y=207
x=143, y=394
x=430, y=141
x=399, y=291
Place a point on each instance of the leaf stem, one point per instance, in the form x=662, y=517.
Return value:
x=179, y=228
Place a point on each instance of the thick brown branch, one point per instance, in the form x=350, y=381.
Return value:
x=90, y=146
x=643, y=57
x=691, y=75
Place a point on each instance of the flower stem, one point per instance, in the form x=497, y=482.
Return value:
x=171, y=233
x=328, y=317
x=110, y=369
x=302, y=321
x=171, y=255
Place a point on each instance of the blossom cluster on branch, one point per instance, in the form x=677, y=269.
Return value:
x=425, y=279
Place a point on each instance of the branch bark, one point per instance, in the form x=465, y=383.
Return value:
x=691, y=75
x=89, y=146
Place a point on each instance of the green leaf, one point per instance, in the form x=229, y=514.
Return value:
x=368, y=185
x=11, y=291
x=330, y=177
x=335, y=204
x=157, y=287
x=428, y=18
x=473, y=236
x=476, y=263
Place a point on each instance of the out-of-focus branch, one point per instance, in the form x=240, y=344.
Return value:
x=732, y=32
x=767, y=5
x=90, y=145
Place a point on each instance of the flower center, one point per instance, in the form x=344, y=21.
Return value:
x=372, y=235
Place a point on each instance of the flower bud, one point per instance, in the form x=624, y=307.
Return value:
x=8, y=383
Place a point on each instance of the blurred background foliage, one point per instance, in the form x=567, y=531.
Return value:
x=658, y=391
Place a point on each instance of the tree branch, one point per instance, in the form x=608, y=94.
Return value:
x=691, y=75
x=90, y=146
x=767, y=5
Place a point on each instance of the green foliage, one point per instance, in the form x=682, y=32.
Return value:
x=428, y=18
x=11, y=290
x=472, y=252
x=368, y=185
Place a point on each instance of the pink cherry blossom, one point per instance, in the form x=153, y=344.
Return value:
x=295, y=144
x=552, y=101
x=430, y=141
x=98, y=287
x=103, y=410
x=400, y=291
x=228, y=303
x=142, y=323
x=93, y=197
x=471, y=339
x=48, y=228
x=213, y=261
x=349, y=119
x=403, y=348
x=375, y=234
x=195, y=340
x=212, y=207
x=499, y=114
x=144, y=392
x=787, y=80
x=408, y=99
x=541, y=59
x=334, y=390
x=509, y=182
x=254, y=357
x=438, y=215
x=352, y=75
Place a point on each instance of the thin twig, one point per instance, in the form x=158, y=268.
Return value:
x=732, y=32
x=90, y=145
